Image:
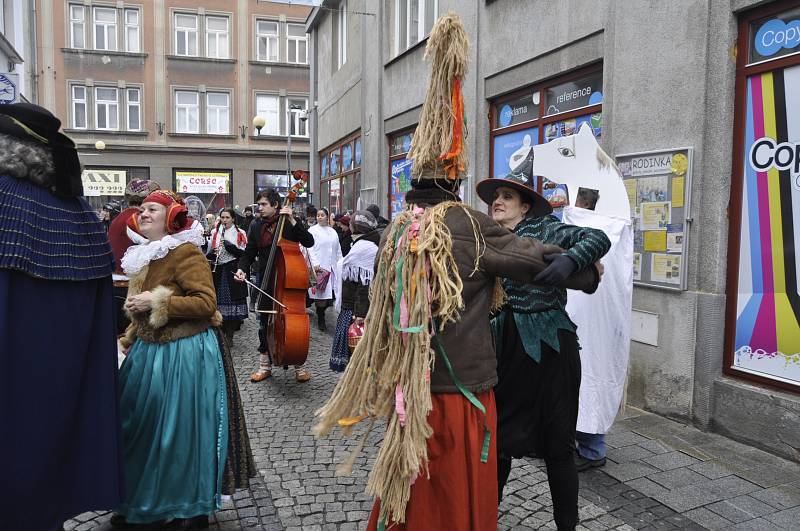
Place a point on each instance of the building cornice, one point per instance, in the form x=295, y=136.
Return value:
x=7, y=48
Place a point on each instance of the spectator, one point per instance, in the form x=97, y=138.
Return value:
x=248, y=218
x=345, y=236
x=354, y=274
x=135, y=192
x=382, y=221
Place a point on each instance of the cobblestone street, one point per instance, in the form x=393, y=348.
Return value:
x=660, y=474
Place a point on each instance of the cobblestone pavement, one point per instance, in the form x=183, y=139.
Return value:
x=660, y=474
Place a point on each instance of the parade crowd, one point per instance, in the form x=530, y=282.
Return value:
x=452, y=327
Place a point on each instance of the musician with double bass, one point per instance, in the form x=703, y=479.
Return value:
x=260, y=239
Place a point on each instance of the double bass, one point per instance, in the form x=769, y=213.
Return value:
x=287, y=324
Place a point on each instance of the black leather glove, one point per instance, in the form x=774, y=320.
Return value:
x=560, y=268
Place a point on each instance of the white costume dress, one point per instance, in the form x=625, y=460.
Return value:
x=325, y=253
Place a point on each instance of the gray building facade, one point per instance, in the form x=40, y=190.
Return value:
x=670, y=75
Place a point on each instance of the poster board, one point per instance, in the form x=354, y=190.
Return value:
x=659, y=186
x=104, y=183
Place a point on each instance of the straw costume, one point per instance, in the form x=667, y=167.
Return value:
x=426, y=363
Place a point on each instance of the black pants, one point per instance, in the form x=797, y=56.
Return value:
x=537, y=410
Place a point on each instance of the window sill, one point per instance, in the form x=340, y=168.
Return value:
x=278, y=137
x=407, y=51
x=201, y=59
x=105, y=132
x=87, y=51
x=277, y=63
x=200, y=135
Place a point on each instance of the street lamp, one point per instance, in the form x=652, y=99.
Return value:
x=259, y=123
x=99, y=145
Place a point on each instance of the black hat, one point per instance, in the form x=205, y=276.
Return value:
x=521, y=180
x=32, y=123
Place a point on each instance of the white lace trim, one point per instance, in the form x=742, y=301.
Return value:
x=138, y=256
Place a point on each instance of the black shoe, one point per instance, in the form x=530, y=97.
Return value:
x=582, y=463
x=189, y=524
x=118, y=522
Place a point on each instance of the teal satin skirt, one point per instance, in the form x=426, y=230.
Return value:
x=174, y=428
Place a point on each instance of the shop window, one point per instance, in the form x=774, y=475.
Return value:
x=267, y=40
x=762, y=340
x=399, y=171
x=541, y=113
x=413, y=21
x=340, y=171
x=102, y=184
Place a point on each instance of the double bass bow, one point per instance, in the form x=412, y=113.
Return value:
x=287, y=326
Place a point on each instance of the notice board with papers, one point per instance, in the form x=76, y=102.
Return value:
x=659, y=185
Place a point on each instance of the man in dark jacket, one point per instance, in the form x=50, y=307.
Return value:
x=260, y=239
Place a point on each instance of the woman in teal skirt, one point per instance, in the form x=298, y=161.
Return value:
x=173, y=400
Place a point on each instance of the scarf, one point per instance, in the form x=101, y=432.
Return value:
x=357, y=266
x=268, y=230
x=233, y=235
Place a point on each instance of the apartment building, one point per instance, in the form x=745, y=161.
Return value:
x=17, y=51
x=713, y=86
x=169, y=89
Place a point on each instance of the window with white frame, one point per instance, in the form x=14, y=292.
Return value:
x=133, y=100
x=106, y=108
x=217, y=37
x=296, y=44
x=187, y=111
x=78, y=94
x=132, y=31
x=105, y=28
x=186, y=34
x=341, y=34
x=413, y=21
x=77, y=26
x=267, y=40
x=267, y=106
x=296, y=107
x=217, y=113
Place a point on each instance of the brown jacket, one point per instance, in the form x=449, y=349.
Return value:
x=468, y=343
x=184, y=301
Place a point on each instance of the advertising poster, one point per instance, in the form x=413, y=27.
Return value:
x=98, y=183
x=767, y=327
x=655, y=241
x=655, y=216
x=674, y=237
x=202, y=182
x=652, y=189
x=630, y=187
x=571, y=126
x=637, y=266
x=401, y=183
x=677, y=191
x=505, y=146
x=665, y=268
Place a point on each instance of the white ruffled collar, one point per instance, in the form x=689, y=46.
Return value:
x=138, y=256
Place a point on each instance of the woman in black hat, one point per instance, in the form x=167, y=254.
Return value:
x=538, y=364
x=60, y=455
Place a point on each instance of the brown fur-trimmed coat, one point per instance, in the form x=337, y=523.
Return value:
x=184, y=301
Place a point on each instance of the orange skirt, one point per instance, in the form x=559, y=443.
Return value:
x=461, y=494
